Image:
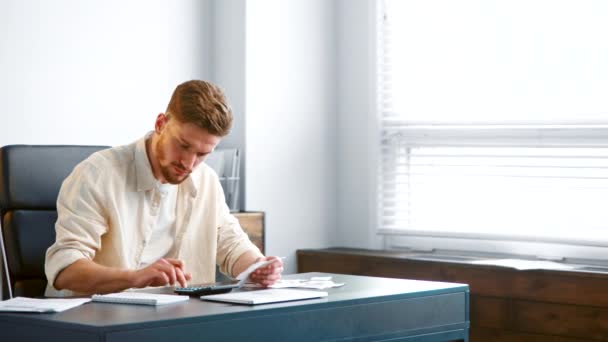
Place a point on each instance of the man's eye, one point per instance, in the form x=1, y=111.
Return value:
x=185, y=147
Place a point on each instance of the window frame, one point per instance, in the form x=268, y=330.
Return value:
x=517, y=134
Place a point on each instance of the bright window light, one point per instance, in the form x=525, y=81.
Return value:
x=493, y=119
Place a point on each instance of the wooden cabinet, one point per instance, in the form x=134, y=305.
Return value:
x=506, y=304
x=252, y=223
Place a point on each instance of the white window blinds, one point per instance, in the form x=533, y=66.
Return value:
x=493, y=119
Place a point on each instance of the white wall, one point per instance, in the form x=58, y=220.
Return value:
x=356, y=163
x=95, y=72
x=228, y=71
x=290, y=128
x=98, y=72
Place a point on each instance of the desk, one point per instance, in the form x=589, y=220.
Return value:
x=365, y=308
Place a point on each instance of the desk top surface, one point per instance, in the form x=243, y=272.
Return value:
x=357, y=290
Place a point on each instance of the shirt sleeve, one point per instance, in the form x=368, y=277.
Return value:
x=232, y=241
x=81, y=220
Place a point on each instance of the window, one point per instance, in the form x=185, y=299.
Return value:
x=493, y=119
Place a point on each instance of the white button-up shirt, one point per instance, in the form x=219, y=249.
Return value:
x=106, y=214
x=161, y=240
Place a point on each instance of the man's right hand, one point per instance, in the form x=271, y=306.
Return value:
x=164, y=271
x=85, y=276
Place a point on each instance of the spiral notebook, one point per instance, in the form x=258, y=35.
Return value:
x=140, y=298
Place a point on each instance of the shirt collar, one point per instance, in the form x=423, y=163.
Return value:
x=143, y=170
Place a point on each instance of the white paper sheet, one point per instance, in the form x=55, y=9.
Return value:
x=24, y=304
x=245, y=274
x=318, y=283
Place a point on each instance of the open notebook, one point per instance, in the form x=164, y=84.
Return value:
x=265, y=296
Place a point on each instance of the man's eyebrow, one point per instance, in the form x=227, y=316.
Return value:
x=183, y=141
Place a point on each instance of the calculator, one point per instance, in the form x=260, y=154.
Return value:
x=208, y=288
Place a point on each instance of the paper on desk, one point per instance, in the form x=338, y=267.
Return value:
x=307, y=284
x=245, y=274
x=520, y=264
x=311, y=283
x=24, y=304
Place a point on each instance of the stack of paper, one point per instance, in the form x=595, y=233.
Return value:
x=318, y=283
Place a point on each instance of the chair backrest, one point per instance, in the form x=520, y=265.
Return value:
x=30, y=179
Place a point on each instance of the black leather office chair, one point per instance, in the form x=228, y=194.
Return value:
x=30, y=179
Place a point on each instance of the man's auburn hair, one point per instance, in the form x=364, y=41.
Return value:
x=203, y=104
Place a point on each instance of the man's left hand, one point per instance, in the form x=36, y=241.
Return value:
x=269, y=274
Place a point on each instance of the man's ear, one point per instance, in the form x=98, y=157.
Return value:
x=161, y=122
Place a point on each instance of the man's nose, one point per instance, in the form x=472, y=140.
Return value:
x=188, y=160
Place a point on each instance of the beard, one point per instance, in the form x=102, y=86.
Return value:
x=171, y=177
x=168, y=170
